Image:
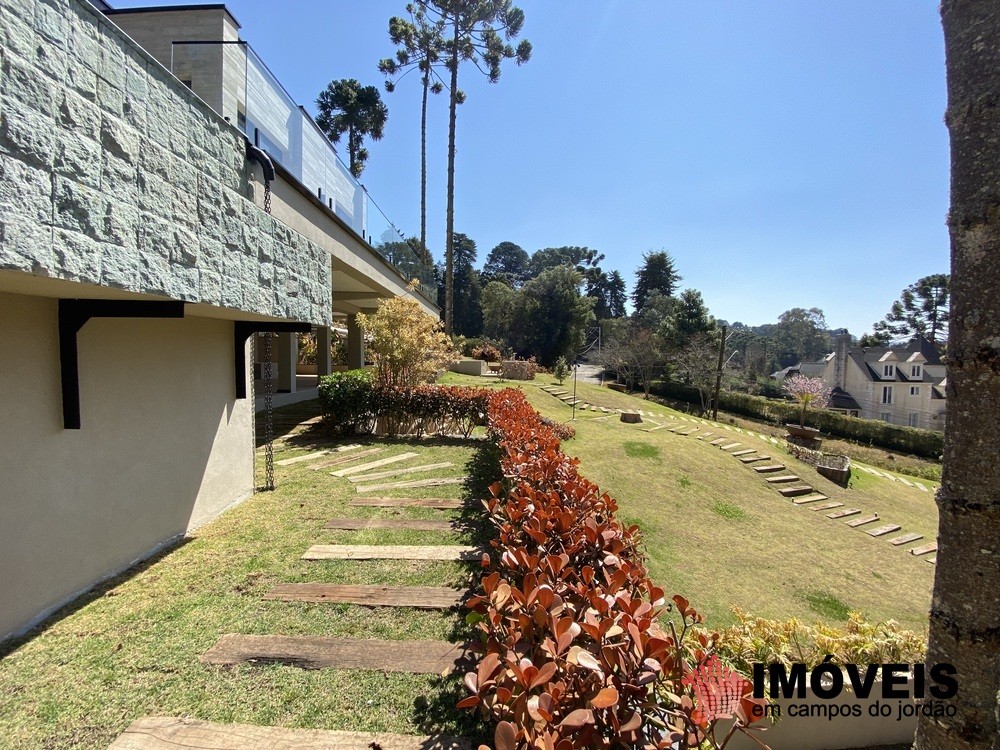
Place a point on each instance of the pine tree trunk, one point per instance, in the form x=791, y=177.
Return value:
x=965, y=614
x=423, y=165
x=449, y=270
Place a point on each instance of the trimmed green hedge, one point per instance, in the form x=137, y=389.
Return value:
x=926, y=443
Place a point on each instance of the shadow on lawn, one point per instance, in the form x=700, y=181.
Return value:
x=437, y=713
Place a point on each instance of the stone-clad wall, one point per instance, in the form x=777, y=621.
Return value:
x=113, y=173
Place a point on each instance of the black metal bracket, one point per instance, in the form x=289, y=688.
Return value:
x=73, y=315
x=244, y=329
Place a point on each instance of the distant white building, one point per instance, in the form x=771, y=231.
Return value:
x=903, y=385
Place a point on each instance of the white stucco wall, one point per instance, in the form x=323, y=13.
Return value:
x=164, y=446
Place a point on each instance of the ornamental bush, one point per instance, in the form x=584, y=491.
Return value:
x=574, y=655
x=518, y=369
x=347, y=401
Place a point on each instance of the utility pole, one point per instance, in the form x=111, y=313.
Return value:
x=718, y=376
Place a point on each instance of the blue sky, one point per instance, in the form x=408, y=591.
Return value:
x=787, y=153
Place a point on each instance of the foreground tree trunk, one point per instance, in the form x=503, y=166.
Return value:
x=449, y=247
x=965, y=613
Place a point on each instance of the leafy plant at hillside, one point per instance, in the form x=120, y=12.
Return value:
x=406, y=344
x=561, y=370
x=808, y=392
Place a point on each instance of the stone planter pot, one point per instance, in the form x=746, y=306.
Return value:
x=806, y=433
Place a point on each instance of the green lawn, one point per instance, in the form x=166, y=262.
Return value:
x=717, y=533
x=131, y=648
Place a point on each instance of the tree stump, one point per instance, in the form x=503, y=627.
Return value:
x=632, y=417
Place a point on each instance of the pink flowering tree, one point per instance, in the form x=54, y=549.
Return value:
x=808, y=392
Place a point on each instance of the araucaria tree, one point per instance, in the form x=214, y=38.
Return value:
x=656, y=274
x=478, y=31
x=965, y=609
x=345, y=106
x=922, y=308
x=419, y=43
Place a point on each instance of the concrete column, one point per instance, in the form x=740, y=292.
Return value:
x=286, y=347
x=355, y=344
x=323, y=363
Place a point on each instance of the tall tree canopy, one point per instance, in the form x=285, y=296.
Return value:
x=419, y=45
x=657, y=273
x=580, y=258
x=345, y=106
x=800, y=336
x=498, y=303
x=551, y=316
x=468, y=288
x=478, y=31
x=965, y=609
x=922, y=308
x=508, y=263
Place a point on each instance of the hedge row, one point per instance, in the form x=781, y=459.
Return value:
x=352, y=403
x=574, y=655
x=926, y=443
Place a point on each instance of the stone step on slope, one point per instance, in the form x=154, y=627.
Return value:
x=824, y=506
x=319, y=652
x=838, y=514
x=373, y=465
x=403, y=524
x=905, y=539
x=811, y=498
x=417, y=597
x=729, y=447
x=923, y=549
x=883, y=530
x=795, y=490
x=855, y=523
x=744, y=452
x=754, y=459
x=768, y=468
x=718, y=441
x=448, y=552
x=783, y=479
x=170, y=733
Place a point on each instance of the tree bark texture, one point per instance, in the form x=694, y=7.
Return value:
x=965, y=612
x=423, y=163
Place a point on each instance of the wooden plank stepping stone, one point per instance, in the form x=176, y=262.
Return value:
x=795, y=491
x=408, y=485
x=718, y=442
x=688, y=431
x=706, y=435
x=752, y=459
x=398, y=472
x=931, y=560
x=730, y=446
x=300, y=459
x=441, y=503
x=768, y=468
x=408, y=524
x=169, y=733
x=923, y=549
x=824, y=506
x=862, y=521
x=392, y=552
x=567, y=398
x=418, y=597
x=345, y=459
x=318, y=652
x=744, y=452
x=905, y=539
x=843, y=513
x=907, y=482
x=920, y=487
x=883, y=530
x=373, y=465
x=782, y=479
x=814, y=497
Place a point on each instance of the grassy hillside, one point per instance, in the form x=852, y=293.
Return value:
x=717, y=533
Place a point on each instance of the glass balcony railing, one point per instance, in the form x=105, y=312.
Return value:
x=274, y=122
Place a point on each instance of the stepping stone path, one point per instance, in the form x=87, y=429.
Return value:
x=409, y=485
x=318, y=652
x=405, y=524
x=392, y=552
x=799, y=489
x=744, y=452
x=169, y=733
x=824, y=506
x=767, y=468
x=905, y=539
x=843, y=513
x=373, y=465
x=399, y=472
x=300, y=459
x=924, y=549
x=863, y=520
x=419, y=597
x=814, y=497
x=752, y=459
x=440, y=503
x=345, y=459
x=783, y=479
x=730, y=447
x=883, y=530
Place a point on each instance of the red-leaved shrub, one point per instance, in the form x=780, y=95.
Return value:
x=574, y=655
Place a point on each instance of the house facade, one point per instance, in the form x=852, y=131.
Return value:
x=903, y=386
x=137, y=262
